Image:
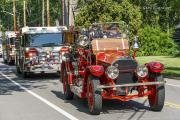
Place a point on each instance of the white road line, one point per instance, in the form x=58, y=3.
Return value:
x=173, y=85
x=58, y=109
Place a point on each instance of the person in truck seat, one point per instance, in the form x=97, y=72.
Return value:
x=96, y=32
x=113, y=32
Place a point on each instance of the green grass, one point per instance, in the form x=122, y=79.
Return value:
x=172, y=64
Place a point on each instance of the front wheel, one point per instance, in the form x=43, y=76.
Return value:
x=157, y=96
x=68, y=95
x=94, y=95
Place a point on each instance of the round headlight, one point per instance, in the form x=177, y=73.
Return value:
x=142, y=71
x=65, y=57
x=112, y=72
x=83, y=40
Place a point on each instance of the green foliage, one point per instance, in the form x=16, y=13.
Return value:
x=33, y=12
x=153, y=41
x=178, y=50
x=108, y=11
x=163, y=13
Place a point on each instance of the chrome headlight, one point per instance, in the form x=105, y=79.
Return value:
x=83, y=40
x=112, y=72
x=142, y=71
x=65, y=57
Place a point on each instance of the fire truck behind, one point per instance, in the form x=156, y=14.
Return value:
x=9, y=47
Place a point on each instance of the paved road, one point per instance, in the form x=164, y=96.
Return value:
x=41, y=98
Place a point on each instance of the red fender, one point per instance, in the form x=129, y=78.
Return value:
x=156, y=67
x=96, y=70
x=63, y=50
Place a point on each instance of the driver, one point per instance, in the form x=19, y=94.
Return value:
x=113, y=32
x=96, y=32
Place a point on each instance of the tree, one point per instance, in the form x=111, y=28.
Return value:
x=33, y=12
x=108, y=11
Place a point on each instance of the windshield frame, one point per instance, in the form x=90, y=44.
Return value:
x=103, y=30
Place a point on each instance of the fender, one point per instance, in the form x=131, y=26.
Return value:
x=64, y=50
x=96, y=70
x=156, y=67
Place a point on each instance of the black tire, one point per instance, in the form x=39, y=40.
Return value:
x=94, y=100
x=62, y=72
x=68, y=95
x=25, y=74
x=9, y=63
x=5, y=61
x=157, y=98
x=18, y=70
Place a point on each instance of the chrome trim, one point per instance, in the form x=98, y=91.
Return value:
x=131, y=84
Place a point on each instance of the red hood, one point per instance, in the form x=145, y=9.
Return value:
x=110, y=57
x=109, y=50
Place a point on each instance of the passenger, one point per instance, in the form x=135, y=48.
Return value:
x=96, y=32
x=113, y=32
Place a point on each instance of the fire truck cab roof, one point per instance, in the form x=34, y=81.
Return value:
x=34, y=30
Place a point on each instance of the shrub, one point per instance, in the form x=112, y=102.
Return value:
x=154, y=41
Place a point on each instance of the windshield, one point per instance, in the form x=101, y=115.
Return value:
x=108, y=30
x=43, y=40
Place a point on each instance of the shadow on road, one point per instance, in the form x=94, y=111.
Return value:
x=7, y=87
x=109, y=106
x=39, y=81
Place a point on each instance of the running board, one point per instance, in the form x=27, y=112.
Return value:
x=131, y=85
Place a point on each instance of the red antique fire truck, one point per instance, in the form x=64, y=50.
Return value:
x=97, y=65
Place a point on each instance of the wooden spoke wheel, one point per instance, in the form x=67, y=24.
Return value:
x=94, y=96
x=157, y=96
x=68, y=95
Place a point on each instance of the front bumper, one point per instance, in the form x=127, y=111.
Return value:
x=43, y=68
x=132, y=85
x=128, y=96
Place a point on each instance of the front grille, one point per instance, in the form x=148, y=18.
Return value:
x=49, y=57
x=124, y=78
x=125, y=64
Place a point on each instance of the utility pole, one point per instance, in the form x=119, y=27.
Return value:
x=43, y=13
x=24, y=7
x=63, y=13
x=48, y=14
x=0, y=25
x=72, y=11
x=14, y=14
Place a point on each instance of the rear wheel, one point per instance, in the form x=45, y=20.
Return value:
x=18, y=70
x=25, y=74
x=94, y=95
x=157, y=97
x=5, y=61
x=68, y=95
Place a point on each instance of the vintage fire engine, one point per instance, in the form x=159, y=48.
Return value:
x=98, y=65
x=38, y=50
x=9, y=47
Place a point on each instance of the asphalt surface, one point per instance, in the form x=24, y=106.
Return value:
x=41, y=98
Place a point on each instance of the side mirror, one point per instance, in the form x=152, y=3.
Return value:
x=136, y=45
